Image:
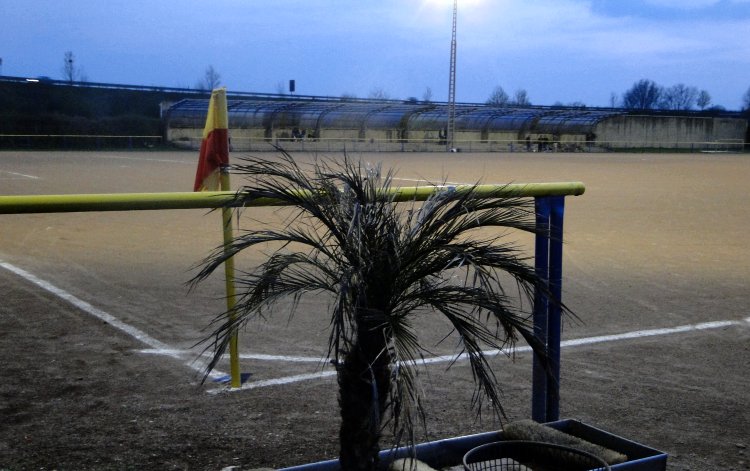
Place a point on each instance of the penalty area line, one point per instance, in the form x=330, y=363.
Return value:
x=86, y=307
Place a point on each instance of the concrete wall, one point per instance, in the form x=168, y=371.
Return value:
x=617, y=132
x=697, y=132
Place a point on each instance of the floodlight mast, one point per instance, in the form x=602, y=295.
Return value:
x=451, y=128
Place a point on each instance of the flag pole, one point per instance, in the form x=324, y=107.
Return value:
x=213, y=173
x=226, y=217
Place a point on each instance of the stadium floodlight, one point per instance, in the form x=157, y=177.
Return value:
x=451, y=127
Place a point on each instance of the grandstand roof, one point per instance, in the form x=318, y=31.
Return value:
x=330, y=114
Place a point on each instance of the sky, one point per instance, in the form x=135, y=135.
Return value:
x=558, y=51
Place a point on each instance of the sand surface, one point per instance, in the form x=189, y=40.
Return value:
x=658, y=241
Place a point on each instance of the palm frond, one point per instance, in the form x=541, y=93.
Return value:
x=383, y=263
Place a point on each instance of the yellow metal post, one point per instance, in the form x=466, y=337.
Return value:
x=226, y=218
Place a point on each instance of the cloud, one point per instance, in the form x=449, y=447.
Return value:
x=682, y=4
x=573, y=27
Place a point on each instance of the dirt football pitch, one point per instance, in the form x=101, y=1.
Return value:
x=98, y=327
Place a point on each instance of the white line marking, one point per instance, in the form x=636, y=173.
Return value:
x=22, y=175
x=171, y=161
x=285, y=358
x=104, y=316
x=648, y=333
x=506, y=351
x=243, y=356
x=160, y=348
x=275, y=382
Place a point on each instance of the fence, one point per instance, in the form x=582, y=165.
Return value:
x=550, y=204
x=245, y=144
x=78, y=142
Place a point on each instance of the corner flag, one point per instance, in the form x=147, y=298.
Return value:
x=214, y=152
x=213, y=175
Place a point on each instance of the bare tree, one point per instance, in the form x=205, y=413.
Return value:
x=211, y=79
x=746, y=100
x=679, y=97
x=643, y=95
x=498, y=97
x=378, y=93
x=427, y=95
x=69, y=70
x=521, y=98
x=613, y=100
x=704, y=99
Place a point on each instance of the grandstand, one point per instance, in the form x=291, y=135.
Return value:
x=46, y=113
x=368, y=125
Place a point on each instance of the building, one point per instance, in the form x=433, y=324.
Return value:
x=369, y=125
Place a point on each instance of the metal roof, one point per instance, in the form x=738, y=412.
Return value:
x=389, y=115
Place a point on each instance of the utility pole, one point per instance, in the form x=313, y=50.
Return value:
x=450, y=130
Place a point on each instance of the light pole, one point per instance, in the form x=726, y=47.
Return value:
x=451, y=128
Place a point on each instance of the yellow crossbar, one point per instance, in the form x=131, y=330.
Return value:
x=24, y=204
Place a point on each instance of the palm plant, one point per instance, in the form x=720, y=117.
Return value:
x=383, y=264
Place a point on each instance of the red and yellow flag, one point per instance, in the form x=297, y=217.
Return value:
x=215, y=144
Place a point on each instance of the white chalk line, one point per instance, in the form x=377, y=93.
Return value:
x=489, y=353
x=106, y=317
x=243, y=356
x=159, y=348
x=147, y=159
x=19, y=175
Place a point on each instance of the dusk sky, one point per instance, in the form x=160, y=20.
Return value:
x=557, y=50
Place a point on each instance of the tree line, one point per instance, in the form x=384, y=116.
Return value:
x=643, y=95
x=648, y=95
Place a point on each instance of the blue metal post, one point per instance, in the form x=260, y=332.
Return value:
x=554, y=319
x=541, y=264
x=545, y=400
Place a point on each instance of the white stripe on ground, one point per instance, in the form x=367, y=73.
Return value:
x=159, y=348
x=489, y=353
x=243, y=356
x=148, y=159
x=278, y=381
x=22, y=175
x=319, y=360
x=104, y=316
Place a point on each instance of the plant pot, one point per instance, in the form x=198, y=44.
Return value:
x=450, y=452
